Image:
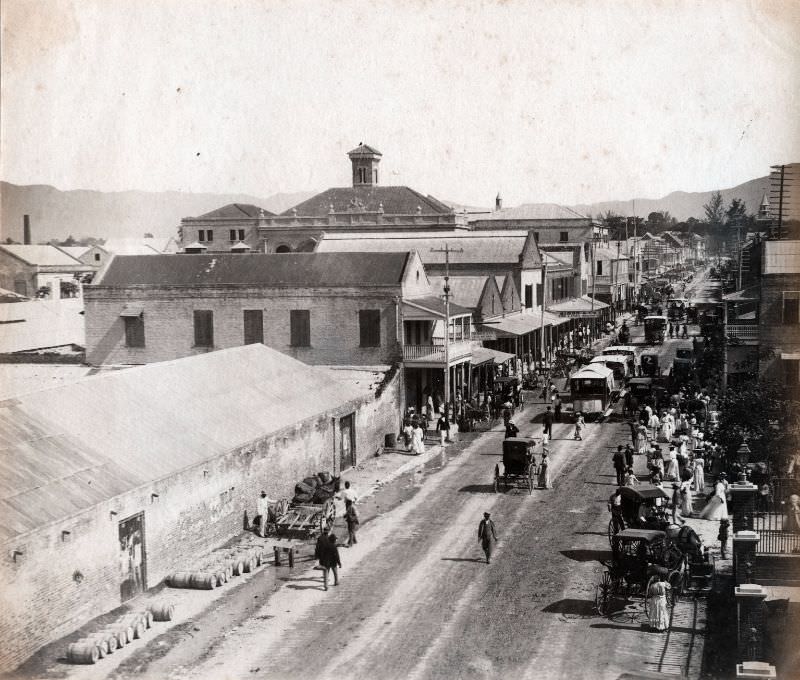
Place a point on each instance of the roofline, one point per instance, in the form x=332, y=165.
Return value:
x=433, y=311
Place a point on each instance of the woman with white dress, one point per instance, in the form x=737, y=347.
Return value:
x=699, y=475
x=418, y=440
x=672, y=470
x=653, y=424
x=642, y=446
x=657, y=605
x=717, y=507
x=686, y=500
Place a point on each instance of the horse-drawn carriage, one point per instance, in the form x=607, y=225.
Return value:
x=641, y=507
x=519, y=464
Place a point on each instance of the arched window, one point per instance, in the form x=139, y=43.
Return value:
x=283, y=249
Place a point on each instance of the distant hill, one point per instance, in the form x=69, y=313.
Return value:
x=681, y=204
x=121, y=214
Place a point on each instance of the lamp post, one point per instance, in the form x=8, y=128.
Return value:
x=447, y=250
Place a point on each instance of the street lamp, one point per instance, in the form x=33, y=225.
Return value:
x=743, y=457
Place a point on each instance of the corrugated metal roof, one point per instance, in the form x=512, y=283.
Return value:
x=234, y=211
x=48, y=256
x=75, y=251
x=260, y=269
x=67, y=448
x=581, y=304
x=464, y=290
x=534, y=211
x=483, y=355
x=480, y=249
x=436, y=305
x=601, y=253
x=370, y=198
x=364, y=150
x=523, y=323
x=781, y=257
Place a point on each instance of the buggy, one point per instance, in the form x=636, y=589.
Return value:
x=643, y=507
x=519, y=464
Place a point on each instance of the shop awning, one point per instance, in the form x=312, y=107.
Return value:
x=746, y=294
x=485, y=355
x=522, y=324
x=132, y=311
x=583, y=306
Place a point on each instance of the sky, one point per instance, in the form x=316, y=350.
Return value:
x=543, y=101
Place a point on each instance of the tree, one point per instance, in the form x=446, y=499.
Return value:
x=736, y=212
x=715, y=213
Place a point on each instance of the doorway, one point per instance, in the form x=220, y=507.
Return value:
x=348, y=441
x=132, y=557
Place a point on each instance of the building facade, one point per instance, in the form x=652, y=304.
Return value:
x=26, y=269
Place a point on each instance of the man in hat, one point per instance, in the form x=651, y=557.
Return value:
x=262, y=512
x=487, y=536
x=511, y=429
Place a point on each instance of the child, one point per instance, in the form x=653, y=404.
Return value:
x=722, y=537
x=580, y=423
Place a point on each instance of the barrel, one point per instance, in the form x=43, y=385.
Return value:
x=202, y=580
x=180, y=579
x=101, y=641
x=238, y=566
x=122, y=631
x=83, y=652
x=390, y=440
x=147, y=615
x=137, y=623
x=163, y=611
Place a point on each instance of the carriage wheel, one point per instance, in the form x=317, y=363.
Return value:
x=496, y=478
x=603, y=593
x=327, y=516
x=612, y=531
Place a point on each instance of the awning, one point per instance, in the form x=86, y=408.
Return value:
x=427, y=307
x=790, y=356
x=583, y=306
x=746, y=294
x=485, y=355
x=132, y=311
x=522, y=324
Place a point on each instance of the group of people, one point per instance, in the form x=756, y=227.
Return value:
x=326, y=551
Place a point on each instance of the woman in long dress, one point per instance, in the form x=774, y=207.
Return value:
x=657, y=605
x=686, y=500
x=717, y=506
x=672, y=471
x=544, y=472
x=418, y=440
x=699, y=475
x=642, y=447
x=653, y=424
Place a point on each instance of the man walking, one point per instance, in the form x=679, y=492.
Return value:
x=511, y=430
x=487, y=536
x=351, y=517
x=328, y=555
x=349, y=495
x=557, y=407
x=619, y=465
x=443, y=428
x=547, y=421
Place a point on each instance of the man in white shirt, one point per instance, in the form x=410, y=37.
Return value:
x=349, y=495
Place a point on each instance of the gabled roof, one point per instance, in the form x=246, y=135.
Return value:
x=75, y=251
x=465, y=291
x=675, y=238
x=44, y=256
x=534, y=211
x=476, y=249
x=602, y=253
x=235, y=210
x=138, y=246
x=68, y=448
x=435, y=305
x=371, y=198
x=259, y=269
x=364, y=150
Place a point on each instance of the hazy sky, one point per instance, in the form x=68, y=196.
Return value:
x=545, y=101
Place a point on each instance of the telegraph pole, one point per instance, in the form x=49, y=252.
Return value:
x=447, y=250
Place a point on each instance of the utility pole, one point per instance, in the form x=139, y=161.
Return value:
x=544, y=304
x=740, y=244
x=447, y=250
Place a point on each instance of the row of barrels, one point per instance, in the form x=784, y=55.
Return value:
x=97, y=645
x=218, y=569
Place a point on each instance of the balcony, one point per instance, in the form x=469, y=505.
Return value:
x=743, y=333
x=430, y=355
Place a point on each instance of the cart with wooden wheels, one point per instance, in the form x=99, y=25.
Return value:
x=306, y=520
x=519, y=464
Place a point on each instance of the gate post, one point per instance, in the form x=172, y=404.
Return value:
x=744, y=555
x=750, y=621
x=755, y=669
x=743, y=505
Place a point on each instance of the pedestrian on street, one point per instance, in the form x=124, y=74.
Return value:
x=657, y=601
x=487, y=536
x=328, y=555
x=685, y=333
x=580, y=423
x=351, y=517
x=557, y=407
x=418, y=440
x=722, y=537
x=630, y=478
x=618, y=459
x=545, y=443
x=262, y=510
x=547, y=421
x=544, y=472
x=511, y=430
x=443, y=428
x=628, y=456
x=348, y=495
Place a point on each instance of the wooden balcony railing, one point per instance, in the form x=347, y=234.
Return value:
x=435, y=353
x=742, y=331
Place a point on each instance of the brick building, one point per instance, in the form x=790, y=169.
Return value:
x=365, y=206
x=169, y=458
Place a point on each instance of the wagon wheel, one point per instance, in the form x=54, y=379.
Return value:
x=496, y=477
x=327, y=516
x=612, y=531
x=530, y=479
x=602, y=594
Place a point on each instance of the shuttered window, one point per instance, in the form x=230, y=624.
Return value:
x=369, y=321
x=528, y=295
x=300, y=327
x=791, y=307
x=134, y=331
x=203, y=328
x=253, y=326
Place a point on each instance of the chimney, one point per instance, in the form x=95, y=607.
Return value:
x=26, y=229
x=498, y=202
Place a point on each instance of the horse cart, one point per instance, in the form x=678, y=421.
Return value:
x=519, y=464
x=642, y=507
x=308, y=520
x=638, y=558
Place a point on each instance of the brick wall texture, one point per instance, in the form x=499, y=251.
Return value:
x=61, y=581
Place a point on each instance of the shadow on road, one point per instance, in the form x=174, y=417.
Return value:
x=462, y=559
x=587, y=555
x=571, y=607
x=477, y=488
x=590, y=533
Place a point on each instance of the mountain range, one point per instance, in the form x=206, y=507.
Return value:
x=57, y=214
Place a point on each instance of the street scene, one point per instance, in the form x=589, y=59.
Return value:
x=337, y=341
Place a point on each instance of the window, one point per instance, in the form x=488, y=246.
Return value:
x=134, y=331
x=300, y=327
x=539, y=293
x=375, y=176
x=233, y=235
x=362, y=175
x=791, y=372
x=791, y=308
x=201, y=235
x=241, y=234
x=253, y=326
x=209, y=235
x=369, y=321
x=563, y=236
x=203, y=328
x=528, y=295
x=97, y=257
x=599, y=267
x=536, y=236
